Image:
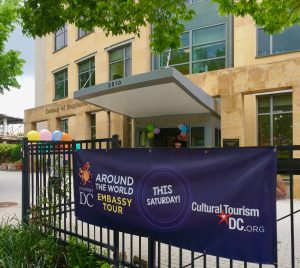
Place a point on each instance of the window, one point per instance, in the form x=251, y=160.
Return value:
x=202, y=50
x=208, y=52
x=82, y=33
x=179, y=59
x=288, y=40
x=61, y=84
x=191, y=1
x=93, y=126
x=275, y=120
x=64, y=125
x=217, y=137
x=86, y=73
x=61, y=38
x=120, y=62
x=197, y=136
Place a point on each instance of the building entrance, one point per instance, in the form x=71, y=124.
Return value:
x=170, y=137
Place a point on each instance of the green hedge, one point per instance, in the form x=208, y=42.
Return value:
x=10, y=152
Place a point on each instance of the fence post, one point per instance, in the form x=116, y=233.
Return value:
x=25, y=180
x=115, y=144
x=151, y=253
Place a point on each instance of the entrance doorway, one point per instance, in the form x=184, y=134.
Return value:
x=170, y=137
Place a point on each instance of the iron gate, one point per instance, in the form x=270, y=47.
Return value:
x=47, y=197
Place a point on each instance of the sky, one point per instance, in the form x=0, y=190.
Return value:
x=15, y=101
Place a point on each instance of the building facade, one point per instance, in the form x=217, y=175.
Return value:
x=253, y=79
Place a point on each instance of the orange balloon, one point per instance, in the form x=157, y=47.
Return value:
x=66, y=137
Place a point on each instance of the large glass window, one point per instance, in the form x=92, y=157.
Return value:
x=275, y=120
x=288, y=40
x=61, y=84
x=93, y=126
x=61, y=38
x=202, y=50
x=86, y=73
x=120, y=62
x=64, y=125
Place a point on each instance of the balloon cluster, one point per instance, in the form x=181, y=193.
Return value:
x=46, y=135
x=183, y=130
x=152, y=130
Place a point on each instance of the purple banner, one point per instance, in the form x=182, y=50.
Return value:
x=218, y=201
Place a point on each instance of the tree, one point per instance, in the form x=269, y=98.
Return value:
x=116, y=17
x=10, y=63
x=273, y=15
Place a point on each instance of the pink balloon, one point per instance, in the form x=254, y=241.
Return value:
x=45, y=135
x=183, y=134
x=156, y=130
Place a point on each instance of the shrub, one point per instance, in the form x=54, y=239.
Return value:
x=26, y=246
x=15, y=153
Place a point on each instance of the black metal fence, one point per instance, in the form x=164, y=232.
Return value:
x=48, y=197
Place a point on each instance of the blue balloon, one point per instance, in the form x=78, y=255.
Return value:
x=184, y=129
x=56, y=135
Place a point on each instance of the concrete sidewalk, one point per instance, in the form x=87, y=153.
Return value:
x=10, y=191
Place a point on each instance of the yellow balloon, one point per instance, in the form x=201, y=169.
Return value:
x=150, y=135
x=33, y=135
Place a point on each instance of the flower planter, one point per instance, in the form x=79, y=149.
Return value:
x=18, y=166
x=4, y=166
x=11, y=166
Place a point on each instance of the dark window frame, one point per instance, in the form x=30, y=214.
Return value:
x=271, y=114
x=124, y=59
x=63, y=31
x=65, y=82
x=91, y=72
x=80, y=30
x=93, y=126
x=64, y=125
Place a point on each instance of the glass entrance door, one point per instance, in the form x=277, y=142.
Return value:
x=169, y=137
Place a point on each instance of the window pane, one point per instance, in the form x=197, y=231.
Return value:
x=209, y=51
x=263, y=43
x=116, y=70
x=264, y=130
x=117, y=54
x=209, y=35
x=83, y=78
x=59, y=77
x=185, y=39
x=179, y=56
x=289, y=40
x=59, y=90
x=211, y=65
x=128, y=67
x=282, y=103
x=263, y=104
x=184, y=69
x=128, y=51
x=197, y=136
x=83, y=66
x=59, y=42
x=282, y=129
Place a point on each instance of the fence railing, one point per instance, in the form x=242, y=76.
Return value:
x=48, y=197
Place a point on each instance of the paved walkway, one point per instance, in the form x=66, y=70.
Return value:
x=10, y=191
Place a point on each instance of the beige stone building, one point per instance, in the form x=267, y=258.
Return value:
x=238, y=86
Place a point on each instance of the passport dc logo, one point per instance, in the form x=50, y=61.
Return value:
x=85, y=174
x=164, y=198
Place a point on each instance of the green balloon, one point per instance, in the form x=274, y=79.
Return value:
x=150, y=127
